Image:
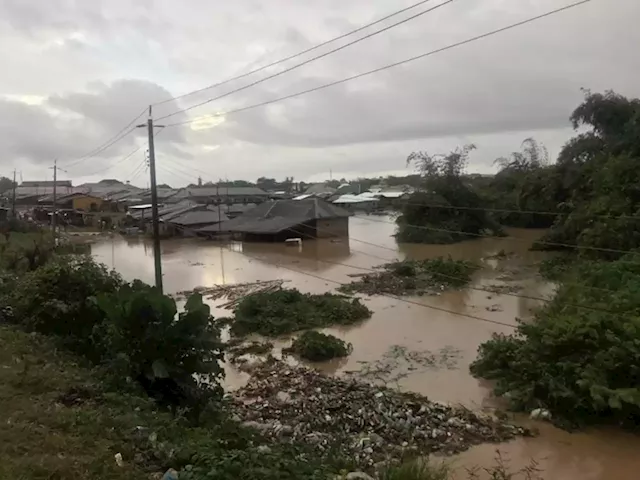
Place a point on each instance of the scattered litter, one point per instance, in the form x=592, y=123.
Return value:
x=399, y=362
x=234, y=292
x=367, y=423
x=119, y=461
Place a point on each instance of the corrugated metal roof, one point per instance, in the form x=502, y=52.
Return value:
x=355, y=199
x=273, y=217
x=198, y=217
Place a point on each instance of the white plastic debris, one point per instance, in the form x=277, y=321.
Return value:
x=119, y=461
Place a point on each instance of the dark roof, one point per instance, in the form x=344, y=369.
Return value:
x=198, y=216
x=221, y=191
x=46, y=183
x=273, y=217
x=320, y=188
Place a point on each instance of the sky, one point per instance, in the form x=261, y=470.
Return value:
x=76, y=73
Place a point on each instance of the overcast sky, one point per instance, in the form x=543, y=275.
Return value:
x=75, y=72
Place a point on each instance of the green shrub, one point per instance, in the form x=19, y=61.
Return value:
x=414, y=277
x=24, y=252
x=581, y=363
x=59, y=299
x=145, y=338
x=318, y=347
x=286, y=311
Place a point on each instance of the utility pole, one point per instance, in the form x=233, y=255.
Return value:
x=53, y=209
x=157, y=258
x=13, y=196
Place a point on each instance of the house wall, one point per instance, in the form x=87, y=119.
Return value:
x=331, y=227
x=85, y=203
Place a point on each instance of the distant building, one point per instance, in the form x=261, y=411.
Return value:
x=320, y=190
x=282, y=219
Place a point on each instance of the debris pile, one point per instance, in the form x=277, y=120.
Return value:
x=234, y=293
x=366, y=423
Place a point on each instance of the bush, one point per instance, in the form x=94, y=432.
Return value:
x=24, y=252
x=59, y=299
x=414, y=277
x=582, y=364
x=143, y=338
x=318, y=347
x=287, y=311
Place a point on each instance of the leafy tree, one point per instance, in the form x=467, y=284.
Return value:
x=445, y=211
x=5, y=184
x=598, y=174
x=525, y=183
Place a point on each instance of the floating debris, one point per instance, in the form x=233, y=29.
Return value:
x=399, y=362
x=366, y=423
x=234, y=293
x=253, y=348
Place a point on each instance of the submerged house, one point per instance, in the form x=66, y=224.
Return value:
x=280, y=220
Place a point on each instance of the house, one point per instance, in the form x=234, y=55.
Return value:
x=223, y=195
x=365, y=201
x=74, y=201
x=28, y=193
x=282, y=219
x=320, y=190
x=187, y=221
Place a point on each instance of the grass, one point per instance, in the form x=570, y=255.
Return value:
x=59, y=422
x=40, y=437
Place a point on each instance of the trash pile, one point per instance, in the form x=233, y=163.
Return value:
x=368, y=424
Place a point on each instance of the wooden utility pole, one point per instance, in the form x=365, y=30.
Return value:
x=13, y=196
x=157, y=257
x=53, y=209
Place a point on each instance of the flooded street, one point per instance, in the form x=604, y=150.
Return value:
x=454, y=323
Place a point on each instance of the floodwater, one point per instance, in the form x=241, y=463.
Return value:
x=454, y=323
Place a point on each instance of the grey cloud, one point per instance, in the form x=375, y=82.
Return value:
x=524, y=81
x=68, y=126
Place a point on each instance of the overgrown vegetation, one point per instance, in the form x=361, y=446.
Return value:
x=287, y=311
x=60, y=421
x=580, y=356
x=443, y=212
x=318, y=347
x=130, y=331
x=414, y=277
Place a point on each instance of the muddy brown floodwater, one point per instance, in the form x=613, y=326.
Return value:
x=435, y=324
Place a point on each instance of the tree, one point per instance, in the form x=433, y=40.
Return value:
x=5, y=184
x=445, y=211
x=599, y=177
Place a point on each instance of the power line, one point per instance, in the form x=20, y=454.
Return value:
x=453, y=277
x=608, y=290
x=518, y=239
x=527, y=212
x=126, y=130
x=123, y=159
x=306, y=62
x=291, y=57
x=386, y=67
x=394, y=297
